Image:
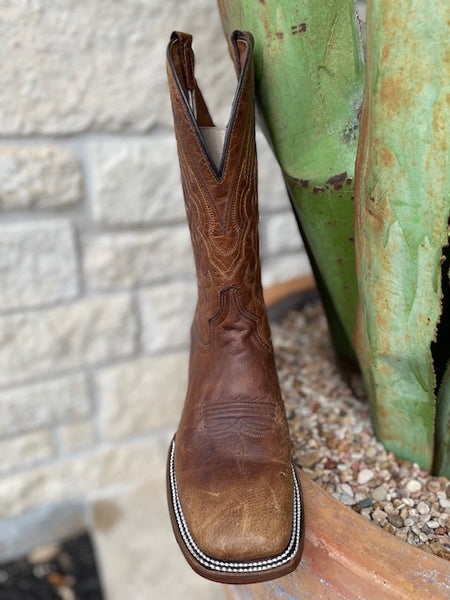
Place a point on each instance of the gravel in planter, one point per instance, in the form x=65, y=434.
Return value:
x=334, y=442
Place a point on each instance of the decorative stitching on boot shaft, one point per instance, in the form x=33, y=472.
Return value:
x=230, y=299
x=222, y=213
x=238, y=417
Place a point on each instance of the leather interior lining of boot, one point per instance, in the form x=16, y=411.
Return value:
x=214, y=138
x=242, y=48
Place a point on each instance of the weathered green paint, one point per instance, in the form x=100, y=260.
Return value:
x=402, y=211
x=326, y=217
x=309, y=80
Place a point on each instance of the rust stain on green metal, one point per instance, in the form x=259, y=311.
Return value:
x=402, y=209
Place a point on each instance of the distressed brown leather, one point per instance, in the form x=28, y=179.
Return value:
x=232, y=449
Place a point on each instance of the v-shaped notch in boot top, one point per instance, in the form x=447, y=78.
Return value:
x=214, y=140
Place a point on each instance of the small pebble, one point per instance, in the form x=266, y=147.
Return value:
x=422, y=508
x=308, y=459
x=66, y=593
x=379, y=493
x=443, y=519
x=364, y=476
x=389, y=528
x=41, y=570
x=396, y=521
x=433, y=524
x=347, y=489
x=433, y=486
x=379, y=516
x=444, y=502
x=413, y=486
x=365, y=503
x=43, y=554
x=388, y=508
x=56, y=579
x=347, y=500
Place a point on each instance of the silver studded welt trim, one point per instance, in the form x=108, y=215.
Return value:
x=233, y=566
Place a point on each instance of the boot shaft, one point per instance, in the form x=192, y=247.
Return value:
x=220, y=195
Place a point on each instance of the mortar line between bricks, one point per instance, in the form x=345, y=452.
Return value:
x=54, y=429
x=79, y=264
x=65, y=139
x=46, y=378
x=49, y=426
x=99, y=229
x=90, y=225
x=92, y=293
x=94, y=404
x=160, y=434
x=136, y=304
x=98, y=367
x=66, y=302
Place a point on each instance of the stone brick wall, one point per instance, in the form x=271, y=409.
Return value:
x=96, y=274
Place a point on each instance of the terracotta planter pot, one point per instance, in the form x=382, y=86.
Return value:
x=348, y=558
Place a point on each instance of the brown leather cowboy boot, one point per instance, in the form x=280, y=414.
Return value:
x=234, y=498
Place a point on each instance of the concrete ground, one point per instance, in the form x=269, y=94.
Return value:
x=138, y=554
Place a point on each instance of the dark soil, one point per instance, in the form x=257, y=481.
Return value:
x=68, y=573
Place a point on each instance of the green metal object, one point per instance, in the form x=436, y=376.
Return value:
x=402, y=211
x=309, y=83
x=309, y=86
